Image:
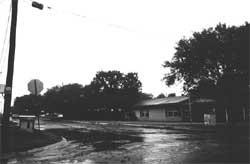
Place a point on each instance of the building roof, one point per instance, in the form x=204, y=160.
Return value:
x=171, y=100
x=162, y=101
x=203, y=100
x=27, y=117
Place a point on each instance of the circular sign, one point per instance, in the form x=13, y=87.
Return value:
x=35, y=86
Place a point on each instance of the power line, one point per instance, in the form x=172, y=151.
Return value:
x=6, y=31
x=4, y=59
x=4, y=42
x=80, y=16
x=2, y=1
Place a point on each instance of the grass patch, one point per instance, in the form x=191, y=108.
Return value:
x=21, y=140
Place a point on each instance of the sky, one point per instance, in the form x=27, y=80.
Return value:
x=70, y=40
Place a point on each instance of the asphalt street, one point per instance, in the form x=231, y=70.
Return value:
x=122, y=142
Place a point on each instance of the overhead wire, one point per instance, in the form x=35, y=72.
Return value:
x=5, y=36
x=2, y=1
x=5, y=44
x=86, y=18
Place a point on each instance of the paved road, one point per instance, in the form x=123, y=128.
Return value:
x=116, y=142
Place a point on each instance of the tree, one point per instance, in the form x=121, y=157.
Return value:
x=107, y=94
x=115, y=90
x=65, y=99
x=204, y=88
x=208, y=55
x=213, y=63
x=108, y=81
x=145, y=96
x=28, y=104
x=161, y=96
x=171, y=95
x=131, y=90
x=131, y=82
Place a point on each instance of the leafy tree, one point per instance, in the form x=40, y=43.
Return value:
x=171, y=95
x=28, y=104
x=209, y=55
x=65, y=99
x=131, y=82
x=161, y=96
x=213, y=63
x=53, y=99
x=108, y=81
x=115, y=90
x=107, y=96
x=204, y=88
x=145, y=96
x=131, y=90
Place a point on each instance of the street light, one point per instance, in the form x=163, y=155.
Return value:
x=37, y=5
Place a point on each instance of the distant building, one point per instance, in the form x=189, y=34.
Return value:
x=178, y=108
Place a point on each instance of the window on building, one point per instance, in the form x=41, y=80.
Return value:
x=28, y=124
x=186, y=113
x=144, y=113
x=141, y=113
x=211, y=110
x=172, y=113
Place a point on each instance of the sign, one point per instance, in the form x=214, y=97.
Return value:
x=35, y=86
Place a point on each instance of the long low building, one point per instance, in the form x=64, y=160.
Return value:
x=179, y=108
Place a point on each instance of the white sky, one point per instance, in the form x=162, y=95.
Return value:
x=57, y=46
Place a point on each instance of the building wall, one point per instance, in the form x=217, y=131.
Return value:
x=156, y=115
x=182, y=111
x=139, y=117
x=137, y=113
x=27, y=125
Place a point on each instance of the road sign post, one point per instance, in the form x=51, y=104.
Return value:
x=35, y=87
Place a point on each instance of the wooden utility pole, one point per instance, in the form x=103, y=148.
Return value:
x=190, y=108
x=9, y=79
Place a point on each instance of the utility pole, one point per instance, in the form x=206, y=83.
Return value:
x=10, y=71
x=9, y=79
x=190, y=108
